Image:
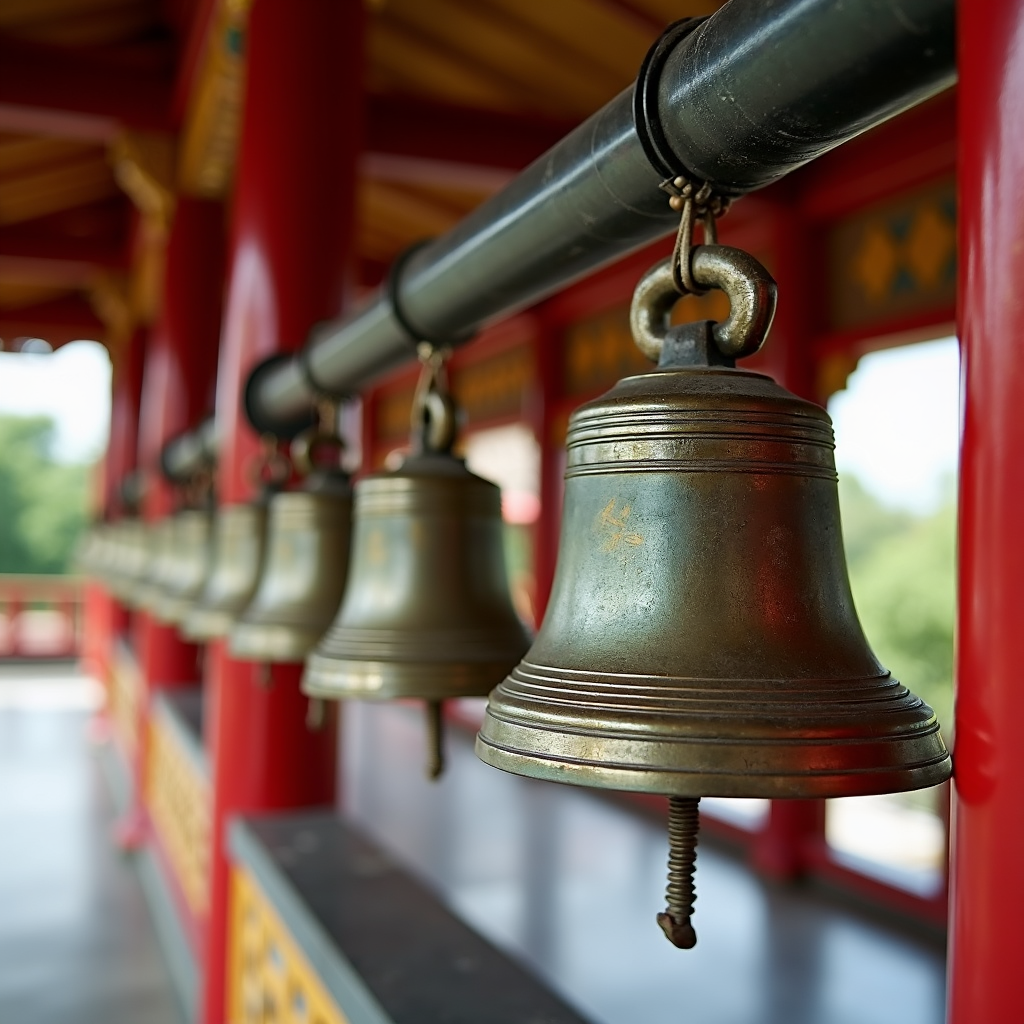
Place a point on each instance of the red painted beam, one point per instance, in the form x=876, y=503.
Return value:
x=57, y=321
x=99, y=233
x=914, y=148
x=80, y=93
x=401, y=126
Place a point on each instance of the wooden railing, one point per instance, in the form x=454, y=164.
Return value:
x=40, y=616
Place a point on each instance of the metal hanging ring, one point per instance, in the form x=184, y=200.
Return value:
x=751, y=291
x=269, y=467
x=319, y=447
x=440, y=422
x=306, y=449
x=434, y=414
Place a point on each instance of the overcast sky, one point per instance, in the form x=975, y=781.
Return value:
x=898, y=422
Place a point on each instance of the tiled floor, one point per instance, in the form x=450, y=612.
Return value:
x=570, y=883
x=76, y=942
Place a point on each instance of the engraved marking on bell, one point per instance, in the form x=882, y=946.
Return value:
x=609, y=518
x=377, y=551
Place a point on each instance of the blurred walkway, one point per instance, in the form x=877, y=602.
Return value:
x=77, y=945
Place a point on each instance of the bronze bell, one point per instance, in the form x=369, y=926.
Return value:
x=701, y=637
x=303, y=574
x=187, y=567
x=160, y=569
x=131, y=558
x=427, y=612
x=112, y=556
x=114, y=552
x=142, y=562
x=238, y=555
x=89, y=551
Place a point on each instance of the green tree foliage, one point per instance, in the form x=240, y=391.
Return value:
x=43, y=503
x=903, y=575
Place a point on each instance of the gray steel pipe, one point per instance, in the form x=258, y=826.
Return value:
x=755, y=91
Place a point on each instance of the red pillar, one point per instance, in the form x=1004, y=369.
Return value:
x=177, y=391
x=290, y=253
x=987, y=943
x=104, y=618
x=795, y=829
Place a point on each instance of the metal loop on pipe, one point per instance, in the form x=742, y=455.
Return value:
x=646, y=120
x=263, y=423
x=750, y=288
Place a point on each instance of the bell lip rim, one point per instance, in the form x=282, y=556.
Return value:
x=813, y=786
x=273, y=650
x=321, y=667
x=199, y=624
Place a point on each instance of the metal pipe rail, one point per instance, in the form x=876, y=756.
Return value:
x=753, y=92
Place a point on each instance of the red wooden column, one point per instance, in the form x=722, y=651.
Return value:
x=290, y=252
x=177, y=391
x=987, y=907
x=795, y=829
x=103, y=617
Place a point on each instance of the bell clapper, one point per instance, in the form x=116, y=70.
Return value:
x=435, y=739
x=683, y=825
x=316, y=714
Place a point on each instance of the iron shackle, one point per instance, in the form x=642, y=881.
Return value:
x=751, y=291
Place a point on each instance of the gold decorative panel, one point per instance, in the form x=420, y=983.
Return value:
x=125, y=695
x=494, y=386
x=895, y=260
x=178, y=798
x=270, y=981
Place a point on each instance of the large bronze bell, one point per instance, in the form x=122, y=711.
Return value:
x=238, y=555
x=303, y=574
x=116, y=557
x=161, y=564
x=427, y=612
x=132, y=558
x=701, y=637
x=187, y=567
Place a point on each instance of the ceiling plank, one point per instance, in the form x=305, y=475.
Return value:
x=434, y=71
x=613, y=45
x=59, y=187
x=473, y=39
x=58, y=321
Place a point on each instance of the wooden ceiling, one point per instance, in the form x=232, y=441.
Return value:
x=541, y=65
